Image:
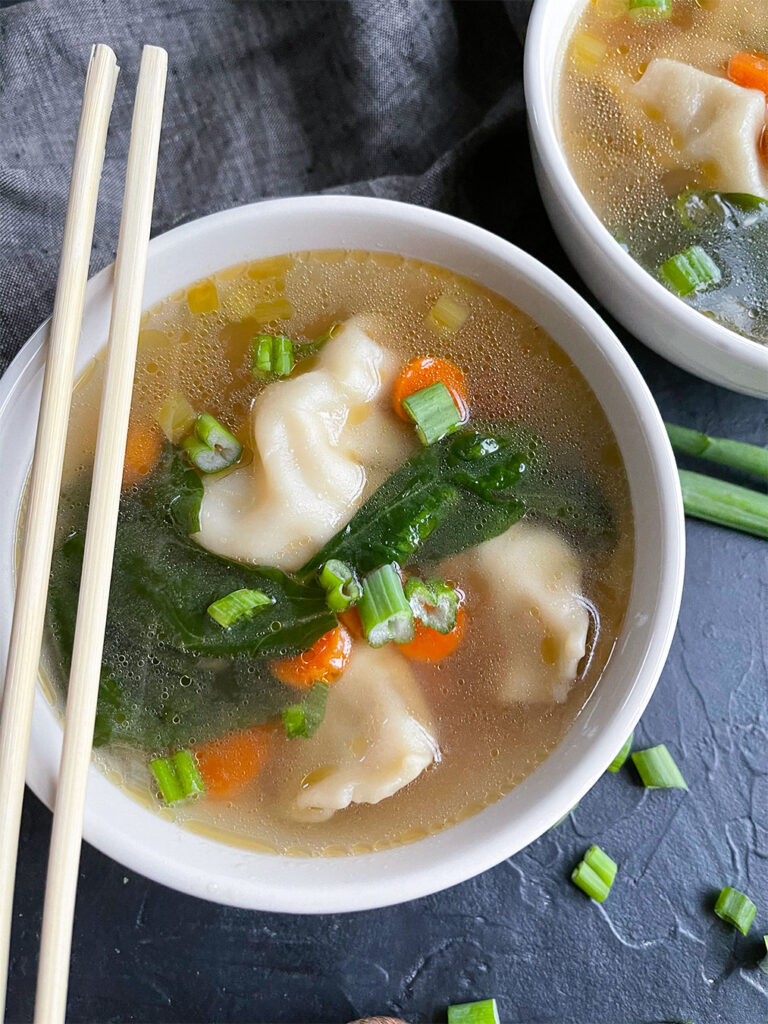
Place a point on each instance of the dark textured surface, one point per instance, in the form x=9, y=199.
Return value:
x=654, y=951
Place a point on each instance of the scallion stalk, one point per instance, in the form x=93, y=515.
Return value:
x=433, y=603
x=750, y=458
x=271, y=355
x=651, y=9
x=340, y=585
x=240, y=604
x=603, y=866
x=588, y=880
x=717, y=501
x=304, y=719
x=622, y=755
x=484, y=1011
x=384, y=609
x=211, y=447
x=692, y=270
x=735, y=909
x=434, y=412
x=177, y=776
x=657, y=769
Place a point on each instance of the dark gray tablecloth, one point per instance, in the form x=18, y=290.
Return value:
x=422, y=101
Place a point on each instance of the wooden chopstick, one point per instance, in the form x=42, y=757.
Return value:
x=130, y=269
x=45, y=479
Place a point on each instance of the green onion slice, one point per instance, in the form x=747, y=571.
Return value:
x=601, y=864
x=484, y=1011
x=240, y=604
x=736, y=909
x=763, y=964
x=692, y=270
x=641, y=9
x=588, y=880
x=211, y=447
x=622, y=755
x=435, y=603
x=271, y=355
x=384, y=609
x=303, y=720
x=657, y=768
x=341, y=588
x=434, y=412
x=178, y=776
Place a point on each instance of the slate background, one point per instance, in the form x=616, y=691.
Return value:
x=521, y=932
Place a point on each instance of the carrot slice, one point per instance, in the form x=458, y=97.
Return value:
x=229, y=763
x=749, y=70
x=429, y=645
x=142, y=451
x=350, y=620
x=324, y=662
x=420, y=374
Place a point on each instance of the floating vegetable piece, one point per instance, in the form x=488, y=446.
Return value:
x=433, y=603
x=693, y=270
x=434, y=412
x=211, y=447
x=176, y=417
x=430, y=646
x=271, y=355
x=384, y=609
x=324, y=662
x=228, y=763
x=338, y=581
x=735, y=909
x=749, y=70
x=447, y=314
x=642, y=10
x=304, y=719
x=177, y=776
x=240, y=604
x=420, y=374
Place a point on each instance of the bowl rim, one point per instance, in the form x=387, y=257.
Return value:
x=542, y=107
x=302, y=885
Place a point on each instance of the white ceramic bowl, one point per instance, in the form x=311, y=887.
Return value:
x=147, y=843
x=657, y=317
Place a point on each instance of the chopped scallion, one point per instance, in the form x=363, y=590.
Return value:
x=434, y=412
x=211, y=447
x=736, y=909
x=588, y=880
x=384, y=609
x=657, y=769
x=178, y=776
x=303, y=720
x=603, y=866
x=763, y=964
x=238, y=605
x=484, y=1011
x=641, y=9
x=434, y=603
x=341, y=588
x=692, y=270
x=271, y=355
x=622, y=755
x=447, y=314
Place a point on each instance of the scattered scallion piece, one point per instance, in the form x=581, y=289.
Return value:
x=484, y=1011
x=750, y=458
x=434, y=412
x=341, y=588
x=717, y=501
x=735, y=909
x=384, y=609
x=271, y=355
x=176, y=417
x=240, y=604
x=622, y=755
x=763, y=964
x=588, y=880
x=434, y=603
x=657, y=768
x=303, y=720
x=178, y=776
x=603, y=866
x=211, y=447
x=692, y=270
x=447, y=314
x=641, y=9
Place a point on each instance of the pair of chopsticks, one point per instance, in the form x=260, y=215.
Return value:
x=45, y=483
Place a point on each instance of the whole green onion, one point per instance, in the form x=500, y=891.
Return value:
x=484, y=1011
x=717, y=501
x=622, y=755
x=434, y=412
x=657, y=769
x=750, y=458
x=735, y=909
x=178, y=776
x=240, y=604
x=211, y=447
x=384, y=610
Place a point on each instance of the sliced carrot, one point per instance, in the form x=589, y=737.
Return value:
x=142, y=451
x=350, y=620
x=229, y=763
x=324, y=662
x=749, y=70
x=429, y=645
x=420, y=374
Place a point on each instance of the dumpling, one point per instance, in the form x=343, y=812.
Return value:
x=376, y=738
x=719, y=122
x=525, y=588
x=321, y=439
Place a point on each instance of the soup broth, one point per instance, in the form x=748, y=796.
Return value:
x=669, y=151
x=468, y=731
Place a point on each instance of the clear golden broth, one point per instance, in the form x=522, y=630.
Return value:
x=514, y=370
